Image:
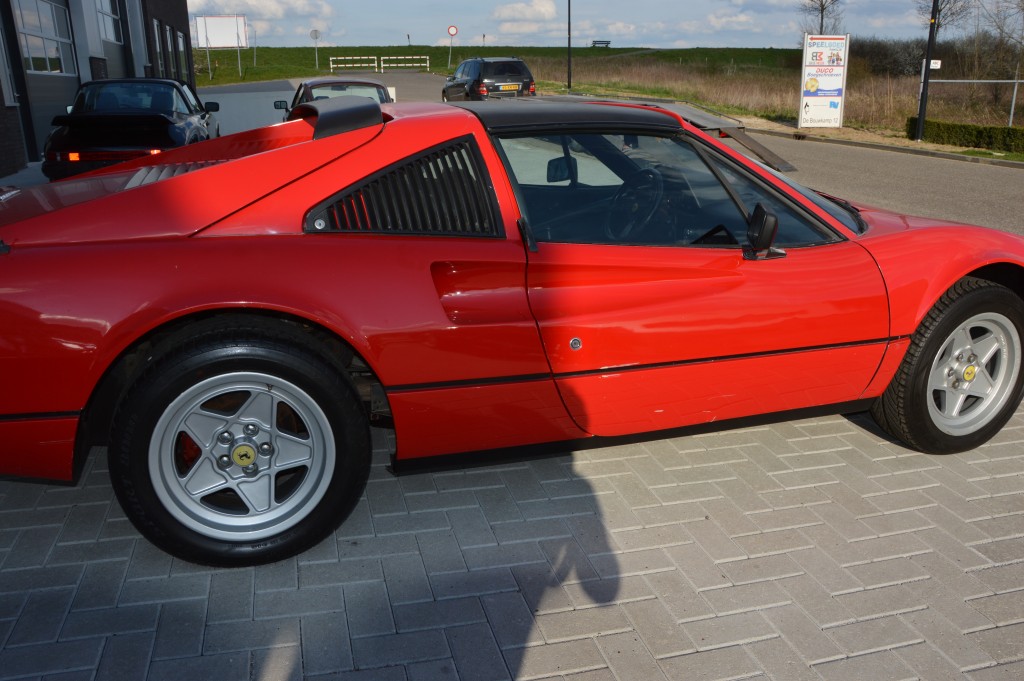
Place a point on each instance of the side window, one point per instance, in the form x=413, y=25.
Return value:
x=626, y=188
x=637, y=189
x=179, y=104
x=193, y=102
x=794, y=229
x=444, y=191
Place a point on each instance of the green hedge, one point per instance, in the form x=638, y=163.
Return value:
x=967, y=135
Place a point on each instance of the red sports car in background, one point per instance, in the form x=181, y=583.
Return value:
x=442, y=279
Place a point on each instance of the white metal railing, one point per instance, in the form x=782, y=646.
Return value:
x=404, y=62
x=353, y=63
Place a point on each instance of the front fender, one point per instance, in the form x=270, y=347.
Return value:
x=919, y=265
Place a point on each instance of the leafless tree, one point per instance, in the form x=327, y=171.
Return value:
x=1006, y=19
x=951, y=12
x=822, y=16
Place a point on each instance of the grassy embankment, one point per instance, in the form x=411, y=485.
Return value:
x=761, y=82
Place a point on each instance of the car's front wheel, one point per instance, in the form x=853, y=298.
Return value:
x=240, y=449
x=961, y=379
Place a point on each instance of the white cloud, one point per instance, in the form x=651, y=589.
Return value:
x=256, y=10
x=743, y=21
x=535, y=10
x=621, y=29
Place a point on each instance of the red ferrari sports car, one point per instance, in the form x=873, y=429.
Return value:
x=237, y=320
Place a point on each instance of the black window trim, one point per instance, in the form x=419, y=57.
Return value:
x=397, y=168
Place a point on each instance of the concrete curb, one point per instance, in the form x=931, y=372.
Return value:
x=885, y=147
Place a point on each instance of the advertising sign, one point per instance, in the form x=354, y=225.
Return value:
x=824, y=81
x=222, y=31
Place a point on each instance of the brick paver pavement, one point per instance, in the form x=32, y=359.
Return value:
x=811, y=549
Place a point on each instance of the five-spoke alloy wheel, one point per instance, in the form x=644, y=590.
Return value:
x=241, y=447
x=961, y=379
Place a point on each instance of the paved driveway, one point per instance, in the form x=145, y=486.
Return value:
x=809, y=549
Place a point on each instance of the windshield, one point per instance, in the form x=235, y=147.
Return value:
x=348, y=89
x=101, y=97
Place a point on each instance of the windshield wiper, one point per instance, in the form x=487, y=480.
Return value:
x=849, y=208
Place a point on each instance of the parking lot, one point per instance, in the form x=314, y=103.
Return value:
x=801, y=549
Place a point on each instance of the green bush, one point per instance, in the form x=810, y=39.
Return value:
x=968, y=135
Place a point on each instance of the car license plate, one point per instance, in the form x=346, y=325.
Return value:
x=509, y=87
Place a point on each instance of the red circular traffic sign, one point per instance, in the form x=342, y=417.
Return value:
x=452, y=30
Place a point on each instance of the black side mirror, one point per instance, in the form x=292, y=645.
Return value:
x=212, y=107
x=762, y=227
x=281, y=104
x=561, y=169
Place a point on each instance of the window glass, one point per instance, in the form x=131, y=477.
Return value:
x=181, y=56
x=347, y=89
x=179, y=104
x=794, y=230
x=168, y=35
x=110, y=20
x=627, y=188
x=191, y=100
x=504, y=69
x=158, y=68
x=45, y=37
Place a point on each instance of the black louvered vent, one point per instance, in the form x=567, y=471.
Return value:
x=444, y=191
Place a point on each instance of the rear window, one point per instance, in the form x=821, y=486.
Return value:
x=505, y=69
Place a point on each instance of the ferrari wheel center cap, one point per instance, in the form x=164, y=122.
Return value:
x=244, y=455
x=970, y=372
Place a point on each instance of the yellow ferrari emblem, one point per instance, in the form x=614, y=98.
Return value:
x=970, y=372
x=244, y=455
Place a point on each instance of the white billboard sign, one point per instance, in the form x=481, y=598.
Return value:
x=221, y=31
x=823, y=90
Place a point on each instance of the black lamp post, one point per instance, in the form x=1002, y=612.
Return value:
x=927, y=70
x=569, y=25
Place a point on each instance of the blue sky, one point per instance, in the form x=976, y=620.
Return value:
x=641, y=23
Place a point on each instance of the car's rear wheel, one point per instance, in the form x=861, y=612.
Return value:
x=240, y=449
x=962, y=378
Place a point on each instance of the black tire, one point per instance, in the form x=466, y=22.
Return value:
x=961, y=379
x=185, y=485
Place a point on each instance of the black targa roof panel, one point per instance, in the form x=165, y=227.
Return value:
x=531, y=113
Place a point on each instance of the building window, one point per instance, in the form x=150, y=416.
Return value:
x=110, y=20
x=44, y=31
x=157, y=41
x=182, y=70
x=169, y=34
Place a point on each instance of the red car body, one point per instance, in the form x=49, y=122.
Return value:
x=473, y=343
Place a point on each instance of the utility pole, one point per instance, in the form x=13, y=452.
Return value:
x=926, y=70
x=569, y=25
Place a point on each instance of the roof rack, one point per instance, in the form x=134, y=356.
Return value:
x=339, y=114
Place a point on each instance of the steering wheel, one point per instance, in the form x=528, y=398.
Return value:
x=634, y=204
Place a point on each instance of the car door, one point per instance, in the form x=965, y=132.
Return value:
x=652, y=311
